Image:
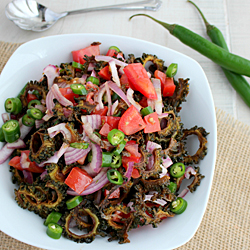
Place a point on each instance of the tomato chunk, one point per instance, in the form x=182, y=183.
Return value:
x=78, y=180
x=111, y=120
x=112, y=52
x=135, y=172
x=131, y=121
x=139, y=80
x=105, y=73
x=114, y=195
x=31, y=97
x=152, y=123
x=15, y=163
x=69, y=94
x=132, y=147
x=91, y=50
x=106, y=128
x=124, y=81
x=101, y=112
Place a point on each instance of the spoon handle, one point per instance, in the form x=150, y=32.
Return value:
x=141, y=5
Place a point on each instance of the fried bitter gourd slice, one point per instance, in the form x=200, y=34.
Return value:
x=42, y=147
x=41, y=198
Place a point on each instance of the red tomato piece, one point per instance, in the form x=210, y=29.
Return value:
x=127, y=159
x=78, y=180
x=139, y=80
x=160, y=75
x=112, y=52
x=114, y=195
x=69, y=94
x=152, y=123
x=131, y=121
x=101, y=112
x=112, y=121
x=135, y=172
x=31, y=97
x=105, y=73
x=124, y=81
x=15, y=163
x=105, y=129
x=132, y=148
x=169, y=87
x=82, y=160
x=91, y=50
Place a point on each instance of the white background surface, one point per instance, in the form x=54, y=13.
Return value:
x=230, y=16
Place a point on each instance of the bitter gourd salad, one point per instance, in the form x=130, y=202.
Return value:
x=98, y=147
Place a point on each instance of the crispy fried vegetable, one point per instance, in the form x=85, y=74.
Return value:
x=197, y=180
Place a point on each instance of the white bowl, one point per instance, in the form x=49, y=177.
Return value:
x=27, y=64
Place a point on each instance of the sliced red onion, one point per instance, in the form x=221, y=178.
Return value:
x=93, y=73
x=119, y=92
x=98, y=197
x=49, y=100
x=51, y=72
x=151, y=103
x=74, y=154
x=43, y=174
x=67, y=112
x=121, y=71
x=130, y=205
x=157, y=201
x=119, y=56
x=60, y=98
x=98, y=182
x=62, y=84
x=114, y=73
x=183, y=193
x=163, y=115
x=150, y=147
x=114, y=106
x=98, y=97
x=6, y=152
x=108, y=94
x=58, y=154
x=23, y=161
x=60, y=128
x=90, y=133
x=94, y=120
x=158, y=102
x=130, y=93
x=189, y=171
x=48, y=116
x=41, y=107
x=39, y=123
x=89, y=170
x=108, y=59
x=129, y=170
x=164, y=171
x=28, y=177
x=167, y=162
x=96, y=163
x=91, y=66
x=5, y=117
x=84, y=76
x=17, y=144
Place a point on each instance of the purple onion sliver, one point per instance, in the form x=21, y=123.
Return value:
x=189, y=171
x=96, y=163
x=17, y=144
x=167, y=162
x=5, y=117
x=129, y=170
x=51, y=73
x=43, y=174
x=28, y=176
x=183, y=193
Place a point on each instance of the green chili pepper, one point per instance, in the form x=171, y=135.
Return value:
x=35, y=113
x=77, y=65
x=90, y=156
x=218, y=55
x=78, y=89
x=80, y=145
x=115, y=137
x=119, y=148
x=53, y=217
x=93, y=79
x=172, y=187
x=238, y=82
x=115, y=48
x=54, y=231
x=146, y=111
x=33, y=103
x=11, y=131
x=177, y=170
x=13, y=105
x=106, y=159
x=2, y=139
x=73, y=202
x=98, y=134
x=172, y=70
x=178, y=206
x=28, y=121
x=115, y=97
x=116, y=161
x=115, y=177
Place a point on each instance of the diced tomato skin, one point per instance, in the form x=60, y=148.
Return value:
x=131, y=121
x=78, y=180
x=91, y=50
x=69, y=94
x=101, y=112
x=139, y=80
x=106, y=128
x=15, y=163
x=132, y=148
x=135, y=173
x=114, y=195
x=112, y=52
x=169, y=87
x=105, y=73
x=82, y=160
x=152, y=123
x=160, y=75
x=124, y=81
x=31, y=97
x=111, y=120
x=127, y=159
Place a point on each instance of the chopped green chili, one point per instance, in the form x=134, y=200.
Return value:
x=28, y=121
x=93, y=79
x=116, y=161
x=119, y=148
x=13, y=105
x=53, y=217
x=77, y=65
x=35, y=113
x=73, y=202
x=78, y=89
x=33, y=103
x=115, y=177
x=177, y=170
x=114, y=48
x=172, y=187
x=106, y=159
x=54, y=231
x=146, y=111
x=2, y=139
x=115, y=137
x=178, y=206
x=11, y=131
x=80, y=145
x=172, y=70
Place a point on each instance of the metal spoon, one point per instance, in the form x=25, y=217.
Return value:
x=30, y=15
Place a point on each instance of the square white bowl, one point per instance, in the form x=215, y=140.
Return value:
x=27, y=64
